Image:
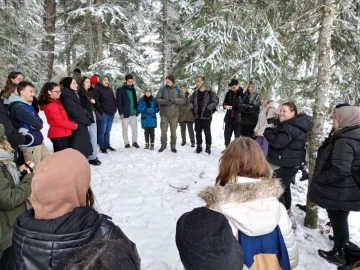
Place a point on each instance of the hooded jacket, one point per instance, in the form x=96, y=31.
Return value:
x=267, y=111
x=287, y=141
x=148, y=120
x=105, y=97
x=60, y=222
x=333, y=186
x=253, y=210
x=169, y=100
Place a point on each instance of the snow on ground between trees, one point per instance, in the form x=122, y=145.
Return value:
x=136, y=188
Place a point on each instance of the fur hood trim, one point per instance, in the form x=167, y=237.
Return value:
x=243, y=191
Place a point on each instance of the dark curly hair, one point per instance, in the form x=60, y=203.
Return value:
x=44, y=95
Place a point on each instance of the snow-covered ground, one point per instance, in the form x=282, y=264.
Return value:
x=133, y=187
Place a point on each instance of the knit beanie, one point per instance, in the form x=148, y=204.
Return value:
x=60, y=184
x=205, y=241
x=148, y=89
x=171, y=78
x=102, y=77
x=66, y=82
x=94, y=79
x=2, y=130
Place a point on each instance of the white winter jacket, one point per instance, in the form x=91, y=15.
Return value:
x=266, y=111
x=252, y=207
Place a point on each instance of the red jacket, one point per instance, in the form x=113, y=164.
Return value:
x=58, y=120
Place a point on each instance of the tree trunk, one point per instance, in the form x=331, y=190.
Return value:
x=90, y=36
x=100, y=54
x=48, y=44
x=321, y=91
x=164, y=47
x=112, y=40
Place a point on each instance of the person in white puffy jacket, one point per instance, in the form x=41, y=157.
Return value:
x=247, y=195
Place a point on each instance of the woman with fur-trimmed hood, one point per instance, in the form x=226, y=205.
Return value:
x=248, y=196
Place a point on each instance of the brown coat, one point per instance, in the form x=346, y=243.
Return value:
x=185, y=113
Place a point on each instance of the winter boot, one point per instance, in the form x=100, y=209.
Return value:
x=192, y=144
x=334, y=256
x=162, y=148
x=208, y=149
x=127, y=146
x=183, y=143
x=173, y=149
x=146, y=146
x=198, y=149
x=135, y=145
x=152, y=146
x=103, y=150
x=110, y=148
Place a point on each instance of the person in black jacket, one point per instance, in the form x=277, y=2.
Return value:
x=203, y=103
x=62, y=220
x=233, y=115
x=79, y=110
x=287, y=147
x=333, y=186
x=103, y=94
x=249, y=106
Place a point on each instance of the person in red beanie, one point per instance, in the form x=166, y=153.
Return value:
x=94, y=80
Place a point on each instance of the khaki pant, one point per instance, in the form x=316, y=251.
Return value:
x=35, y=154
x=190, y=128
x=164, y=123
x=132, y=121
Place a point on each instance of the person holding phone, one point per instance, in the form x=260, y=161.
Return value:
x=15, y=188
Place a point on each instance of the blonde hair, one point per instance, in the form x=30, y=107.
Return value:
x=4, y=144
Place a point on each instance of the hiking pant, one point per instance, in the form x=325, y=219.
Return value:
x=35, y=153
x=203, y=125
x=248, y=131
x=231, y=127
x=286, y=175
x=261, y=140
x=93, y=138
x=190, y=128
x=60, y=144
x=105, y=129
x=164, y=123
x=149, y=134
x=339, y=223
x=132, y=121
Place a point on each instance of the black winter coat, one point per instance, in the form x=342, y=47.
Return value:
x=249, y=112
x=14, y=137
x=123, y=101
x=287, y=142
x=209, y=105
x=230, y=101
x=49, y=244
x=105, y=97
x=80, y=111
x=333, y=186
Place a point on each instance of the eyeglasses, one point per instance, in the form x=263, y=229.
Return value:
x=57, y=92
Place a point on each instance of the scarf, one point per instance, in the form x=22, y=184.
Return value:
x=6, y=158
x=347, y=116
x=147, y=101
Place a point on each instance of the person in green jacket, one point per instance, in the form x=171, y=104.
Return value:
x=15, y=188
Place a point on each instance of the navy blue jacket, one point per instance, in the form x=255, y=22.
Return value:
x=287, y=142
x=148, y=119
x=123, y=101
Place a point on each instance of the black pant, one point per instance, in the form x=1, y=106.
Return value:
x=230, y=127
x=6, y=259
x=286, y=175
x=201, y=125
x=149, y=134
x=60, y=144
x=248, y=131
x=339, y=223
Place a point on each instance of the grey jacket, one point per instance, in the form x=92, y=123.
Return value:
x=169, y=101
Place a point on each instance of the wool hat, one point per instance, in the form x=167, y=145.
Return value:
x=205, y=241
x=2, y=130
x=94, y=79
x=102, y=77
x=171, y=78
x=233, y=82
x=60, y=184
x=148, y=89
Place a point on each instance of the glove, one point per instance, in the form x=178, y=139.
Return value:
x=150, y=111
x=24, y=131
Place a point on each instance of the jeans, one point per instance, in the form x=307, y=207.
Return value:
x=263, y=144
x=339, y=223
x=201, y=125
x=149, y=134
x=231, y=127
x=93, y=138
x=60, y=144
x=105, y=129
x=286, y=175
